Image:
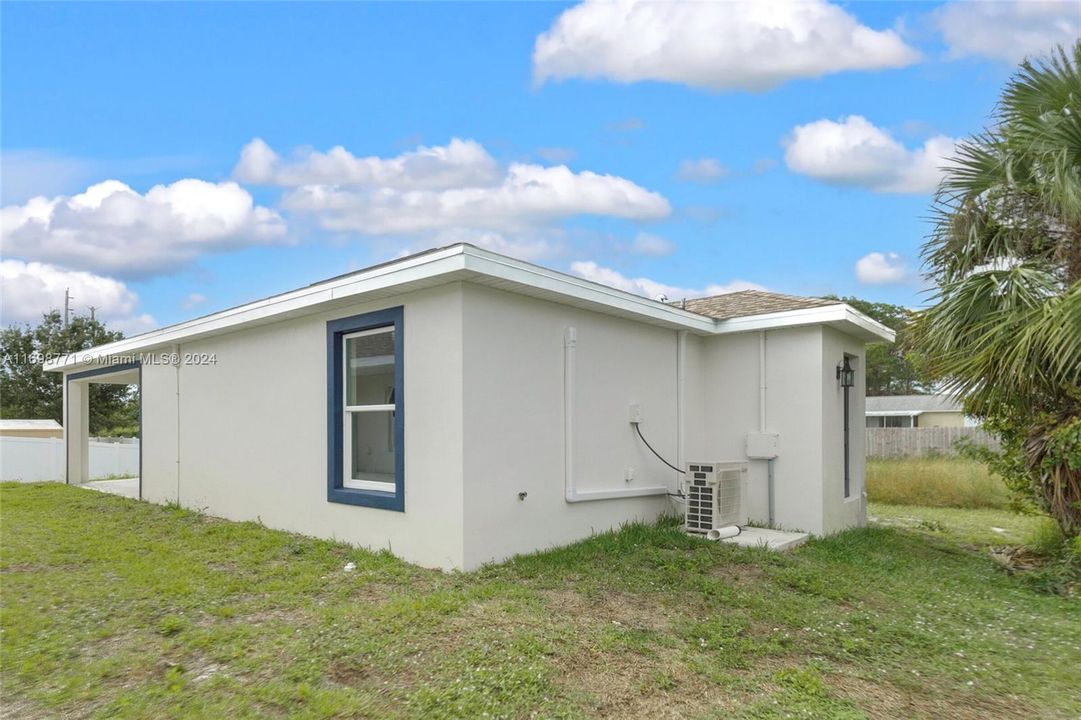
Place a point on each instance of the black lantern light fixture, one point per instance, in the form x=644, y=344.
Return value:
x=845, y=374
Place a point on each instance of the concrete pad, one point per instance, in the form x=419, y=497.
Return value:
x=125, y=487
x=771, y=539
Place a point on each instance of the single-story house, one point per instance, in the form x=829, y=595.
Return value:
x=458, y=407
x=31, y=428
x=915, y=411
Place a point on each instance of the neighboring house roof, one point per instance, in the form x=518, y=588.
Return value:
x=464, y=262
x=30, y=425
x=746, y=303
x=912, y=404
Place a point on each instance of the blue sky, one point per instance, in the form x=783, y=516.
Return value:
x=702, y=153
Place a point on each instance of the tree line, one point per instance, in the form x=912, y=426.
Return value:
x=28, y=392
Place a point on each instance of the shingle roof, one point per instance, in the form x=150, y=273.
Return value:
x=913, y=403
x=16, y=424
x=751, y=302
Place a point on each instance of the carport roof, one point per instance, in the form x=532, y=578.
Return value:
x=464, y=262
x=19, y=424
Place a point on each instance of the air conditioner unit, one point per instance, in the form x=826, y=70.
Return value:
x=714, y=496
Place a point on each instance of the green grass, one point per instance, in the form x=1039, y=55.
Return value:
x=979, y=527
x=117, y=608
x=934, y=482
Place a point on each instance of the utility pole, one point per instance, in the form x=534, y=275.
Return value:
x=67, y=306
x=92, y=309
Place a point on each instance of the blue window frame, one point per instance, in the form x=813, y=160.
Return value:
x=365, y=410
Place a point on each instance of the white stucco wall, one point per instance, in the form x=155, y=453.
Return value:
x=840, y=512
x=729, y=382
x=514, y=421
x=253, y=431
x=160, y=432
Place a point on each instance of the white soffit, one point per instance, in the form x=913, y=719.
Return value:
x=469, y=263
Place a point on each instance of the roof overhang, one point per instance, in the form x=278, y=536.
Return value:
x=464, y=263
x=840, y=316
x=893, y=413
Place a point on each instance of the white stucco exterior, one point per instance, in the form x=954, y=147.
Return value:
x=506, y=367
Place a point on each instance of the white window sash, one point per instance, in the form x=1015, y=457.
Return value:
x=348, y=481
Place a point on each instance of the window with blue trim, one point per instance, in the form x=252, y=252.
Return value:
x=365, y=419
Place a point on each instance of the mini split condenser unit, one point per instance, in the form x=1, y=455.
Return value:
x=714, y=496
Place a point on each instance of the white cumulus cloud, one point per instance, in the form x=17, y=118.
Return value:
x=653, y=245
x=458, y=163
x=443, y=194
x=31, y=289
x=703, y=170
x=714, y=45
x=1008, y=31
x=114, y=229
x=855, y=152
x=651, y=288
x=528, y=195
x=879, y=268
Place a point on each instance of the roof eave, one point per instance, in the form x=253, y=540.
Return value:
x=840, y=316
x=295, y=303
x=466, y=262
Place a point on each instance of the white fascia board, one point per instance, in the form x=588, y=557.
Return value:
x=504, y=268
x=296, y=302
x=870, y=326
x=448, y=263
x=844, y=316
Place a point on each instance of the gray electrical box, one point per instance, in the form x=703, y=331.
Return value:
x=761, y=446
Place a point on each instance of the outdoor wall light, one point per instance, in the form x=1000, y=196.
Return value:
x=846, y=375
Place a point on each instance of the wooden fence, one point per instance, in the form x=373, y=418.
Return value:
x=915, y=442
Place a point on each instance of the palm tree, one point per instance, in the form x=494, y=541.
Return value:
x=1005, y=254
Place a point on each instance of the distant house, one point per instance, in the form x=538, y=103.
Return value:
x=915, y=411
x=31, y=428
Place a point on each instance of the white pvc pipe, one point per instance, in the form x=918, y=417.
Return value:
x=681, y=401
x=762, y=381
x=572, y=493
x=722, y=533
x=762, y=418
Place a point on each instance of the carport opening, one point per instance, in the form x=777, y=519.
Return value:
x=104, y=430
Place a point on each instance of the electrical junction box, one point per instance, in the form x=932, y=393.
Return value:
x=761, y=446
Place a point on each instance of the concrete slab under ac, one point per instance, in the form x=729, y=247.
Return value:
x=771, y=539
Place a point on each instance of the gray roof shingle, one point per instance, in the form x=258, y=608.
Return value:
x=751, y=302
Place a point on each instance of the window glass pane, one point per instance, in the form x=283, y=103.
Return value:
x=369, y=367
x=372, y=441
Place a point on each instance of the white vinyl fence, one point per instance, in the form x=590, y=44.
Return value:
x=35, y=459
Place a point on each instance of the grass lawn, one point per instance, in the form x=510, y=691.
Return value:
x=117, y=608
x=935, y=482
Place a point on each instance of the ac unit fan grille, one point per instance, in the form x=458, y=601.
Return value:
x=699, y=505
